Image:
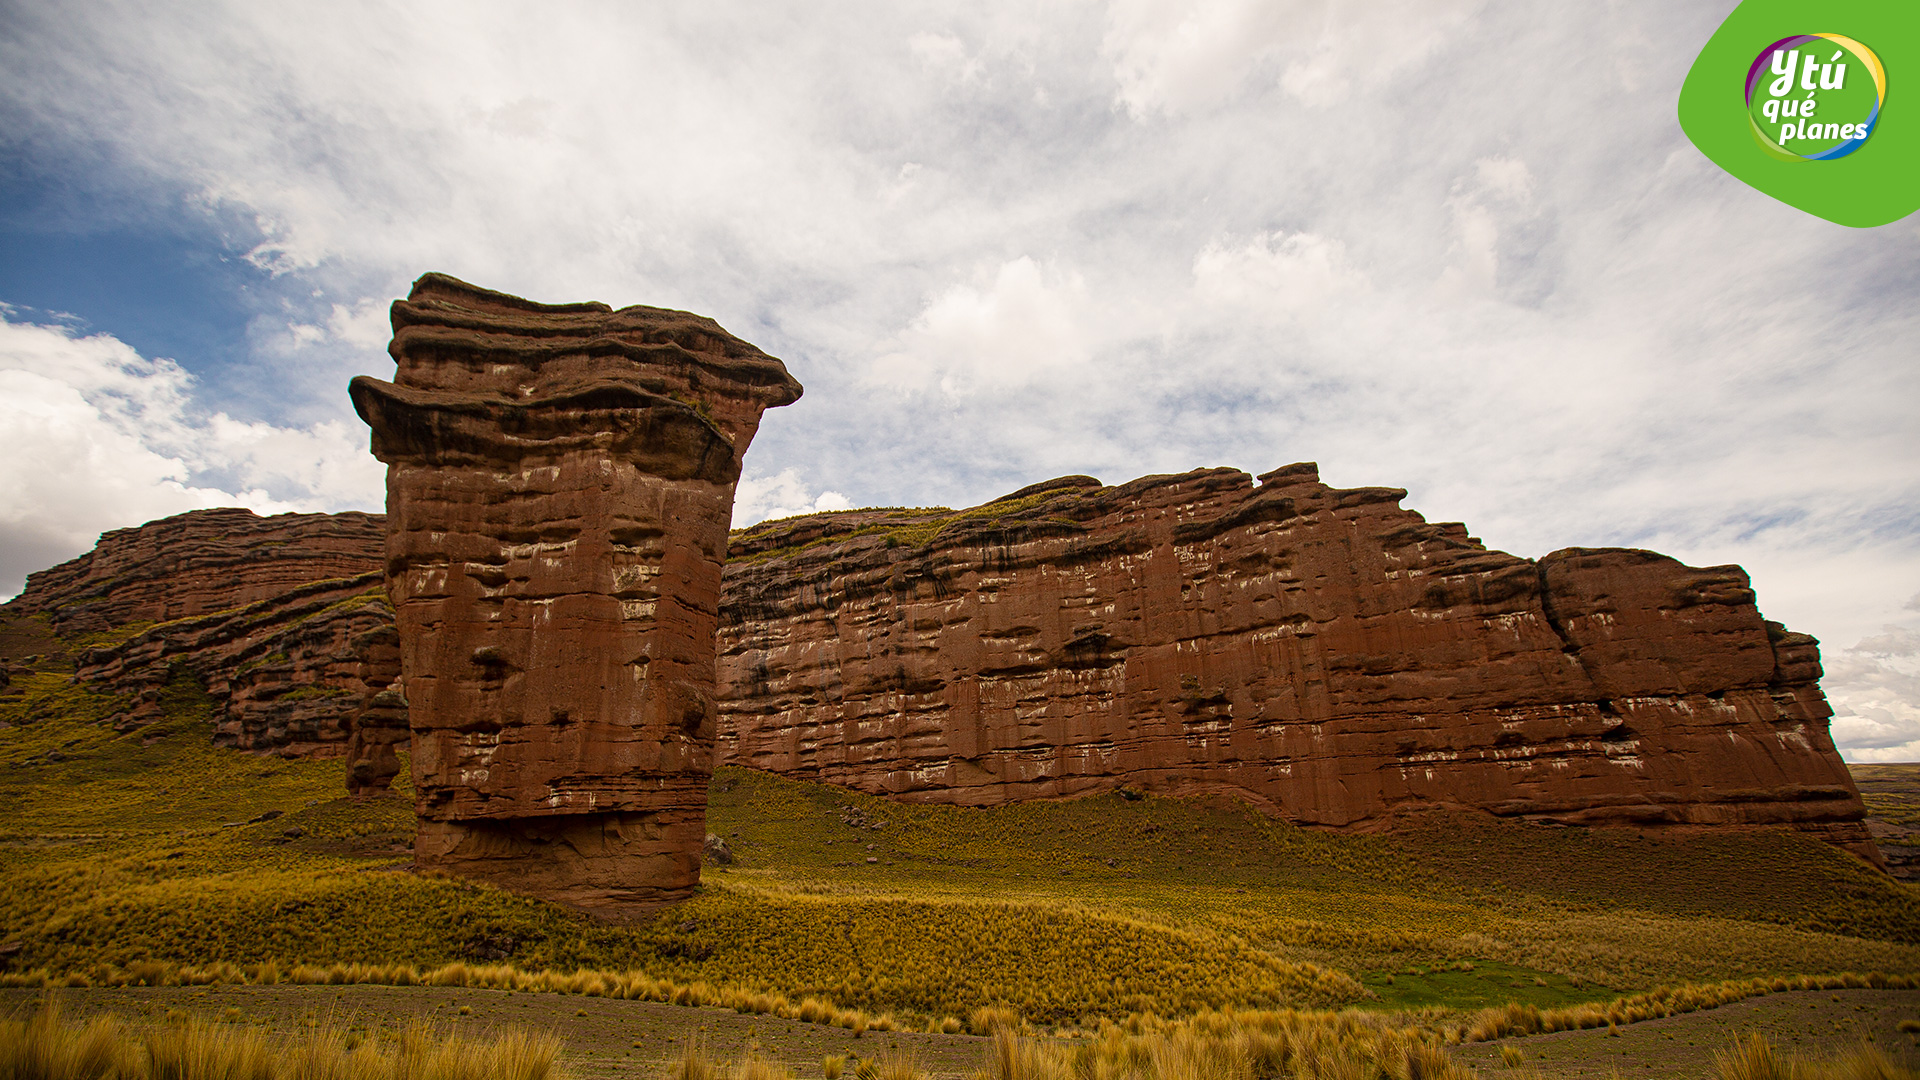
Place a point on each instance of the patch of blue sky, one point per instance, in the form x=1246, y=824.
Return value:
x=169, y=283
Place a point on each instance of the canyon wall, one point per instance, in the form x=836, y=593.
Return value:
x=198, y=563
x=284, y=619
x=1321, y=653
x=559, y=485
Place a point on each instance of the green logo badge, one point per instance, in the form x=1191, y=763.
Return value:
x=1802, y=112
x=1798, y=107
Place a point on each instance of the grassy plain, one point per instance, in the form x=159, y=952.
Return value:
x=607, y=1038
x=1892, y=795
x=149, y=850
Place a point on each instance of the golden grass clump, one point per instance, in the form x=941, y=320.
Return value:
x=988, y=1019
x=692, y=1063
x=1011, y=1057
x=44, y=1046
x=756, y=1066
x=1517, y=1019
x=899, y=1065
x=1754, y=1058
x=1236, y=1045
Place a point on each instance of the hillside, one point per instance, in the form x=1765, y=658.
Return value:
x=154, y=846
x=1323, y=654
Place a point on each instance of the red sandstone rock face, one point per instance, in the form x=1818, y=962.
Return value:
x=1321, y=653
x=1592, y=685
x=282, y=618
x=287, y=674
x=560, y=481
x=198, y=563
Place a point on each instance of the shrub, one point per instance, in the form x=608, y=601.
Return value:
x=988, y=1019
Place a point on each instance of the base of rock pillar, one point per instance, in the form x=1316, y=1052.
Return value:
x=371, y=767
x=615, y=865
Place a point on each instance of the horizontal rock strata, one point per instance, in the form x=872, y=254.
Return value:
x=1322, y=653
x=559, y=485
x=198, y=563
x=284, y=619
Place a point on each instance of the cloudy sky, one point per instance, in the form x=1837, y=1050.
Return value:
x=1455, y=247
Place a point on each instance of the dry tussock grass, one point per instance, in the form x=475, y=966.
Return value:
x=1754, y=1058
x=44, y=1046
x=1235, y=1045
x=1239, y=1045
x=628, y=985
x=1517, y=1019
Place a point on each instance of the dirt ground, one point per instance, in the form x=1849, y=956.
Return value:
x=1811, y=1024
x=606, y=1038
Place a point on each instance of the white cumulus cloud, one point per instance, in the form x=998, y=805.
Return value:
x=1027, y=322
x=99, y=437
x=783, y=494
x=1450, y=246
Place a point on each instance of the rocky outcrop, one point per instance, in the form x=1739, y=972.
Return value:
x=559, y=485
x=287, y=674
x=1321, y=653
x=198, y=563
x=1324, y=654
x=283, y=619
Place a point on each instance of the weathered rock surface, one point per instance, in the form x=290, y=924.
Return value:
x=1322, y=653
x=560, y=481
x=198, y=563
x=287, y=674
x=283, y=618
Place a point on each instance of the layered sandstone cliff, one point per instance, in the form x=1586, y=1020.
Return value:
x=198, y=563
x=1322, y=653
x=284, y=620
x=559, y=485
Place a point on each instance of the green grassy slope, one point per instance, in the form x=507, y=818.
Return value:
x=152, y=845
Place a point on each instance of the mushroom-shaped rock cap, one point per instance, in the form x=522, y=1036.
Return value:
x=487, y=376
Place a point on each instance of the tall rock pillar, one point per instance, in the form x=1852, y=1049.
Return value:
x=560, y=481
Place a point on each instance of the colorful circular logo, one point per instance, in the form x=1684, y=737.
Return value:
x=1814, y=97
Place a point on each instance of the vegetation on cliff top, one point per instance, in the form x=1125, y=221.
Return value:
x=897, y=527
